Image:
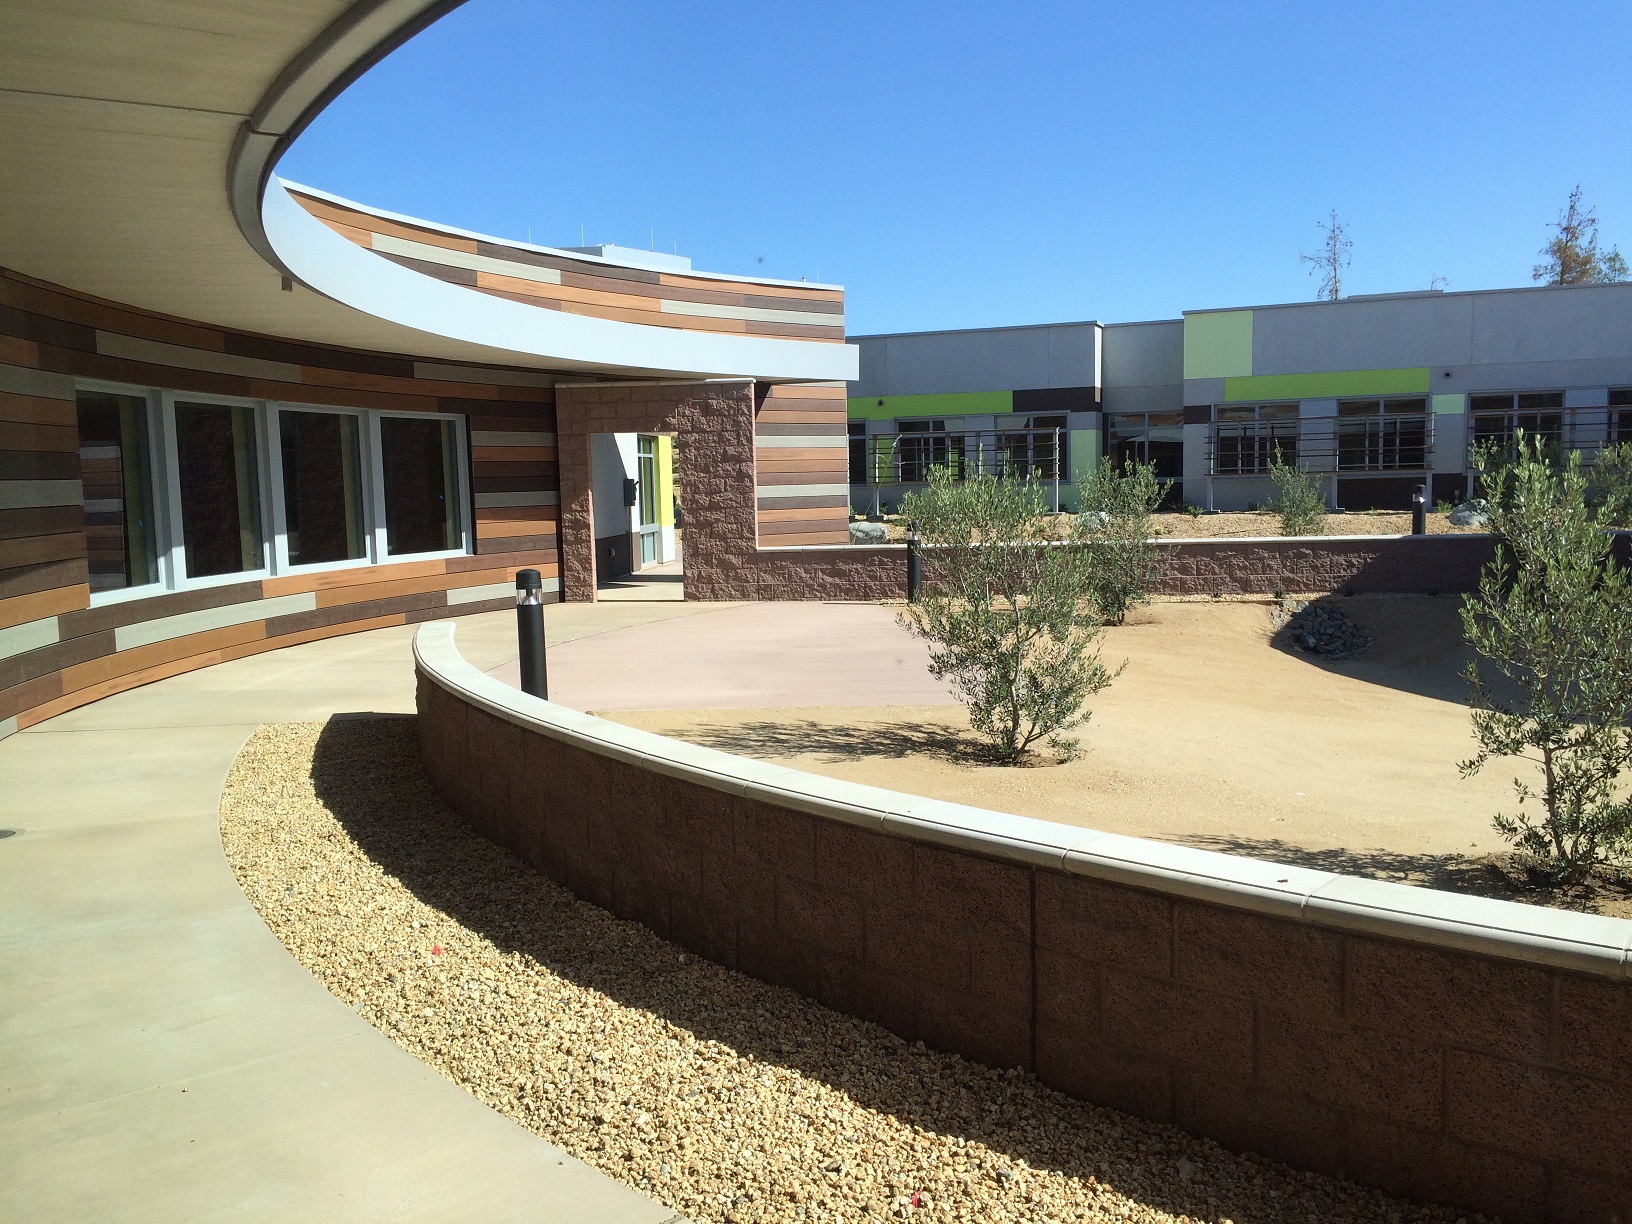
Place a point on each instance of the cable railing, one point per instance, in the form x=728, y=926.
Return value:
x=1588, y=430
x=1372, y=444
x=906, y=457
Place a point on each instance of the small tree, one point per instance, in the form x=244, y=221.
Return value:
x=1116, y=524
x=1298, y=499
x=1008, y=611
x=1572, y=256
x=1609, y=485
x=1554, y=620
x=1332, y=260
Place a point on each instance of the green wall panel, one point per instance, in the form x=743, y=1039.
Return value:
x=965, y=403
x=1218, y=344
x=1450, y=405
x=1330, y=385
x=1087, y=446
x=665, y=480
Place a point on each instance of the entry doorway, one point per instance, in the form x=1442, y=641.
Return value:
x=637, y=544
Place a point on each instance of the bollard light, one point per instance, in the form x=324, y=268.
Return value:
x=915, y=563
x=1419, y=511
x=530, y=632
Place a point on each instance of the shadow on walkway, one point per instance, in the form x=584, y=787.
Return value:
x=1450, y=872
x=368, y=773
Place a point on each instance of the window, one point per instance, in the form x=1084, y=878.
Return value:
x=180, y=490
x=1620, y=414
x=646, y=508
x=1156, y=438
x=322, y=487
x=1029, y=452
x=858, y=452
x=419, y=459
x=1248, y=438
x=220, y=496
x=120, y=530
x=1382, y=435
x=922, y=445
x=1497, y=417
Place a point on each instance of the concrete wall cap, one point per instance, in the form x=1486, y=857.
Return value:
x=1584, y=943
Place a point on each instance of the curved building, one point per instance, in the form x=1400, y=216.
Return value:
x=236, y=413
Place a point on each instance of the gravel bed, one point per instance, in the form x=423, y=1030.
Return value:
x=721, y=1097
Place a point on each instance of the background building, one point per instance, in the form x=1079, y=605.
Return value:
x=1376, y=395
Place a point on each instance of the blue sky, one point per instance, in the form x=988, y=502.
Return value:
x=959, y=165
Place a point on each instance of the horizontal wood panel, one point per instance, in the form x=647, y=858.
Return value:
x=22, y=608
x=17, y=436
x=512, y=454
x=35, y=410
x=41, y=550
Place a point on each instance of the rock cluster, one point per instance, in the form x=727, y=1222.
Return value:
x=721, y=1097
x=1319, y=628
x=864, y=532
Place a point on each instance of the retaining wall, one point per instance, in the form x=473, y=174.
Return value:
x=1449, y=1048
x=1349, y=565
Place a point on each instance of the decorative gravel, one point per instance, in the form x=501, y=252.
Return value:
x=720, y=1097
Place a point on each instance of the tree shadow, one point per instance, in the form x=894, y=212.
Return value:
x=1416, y=644
x=368, y=772
x=767, y=739
x=1482, y=877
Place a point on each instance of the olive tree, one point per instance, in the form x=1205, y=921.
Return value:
x=1552, y=621
x=1008, y=611
x=1298, y=499
x=1115, y=520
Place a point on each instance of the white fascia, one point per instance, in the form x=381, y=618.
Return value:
x=339, y=268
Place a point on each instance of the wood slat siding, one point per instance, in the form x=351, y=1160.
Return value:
x=800, y=441
x=58, y=652
x=559, y=282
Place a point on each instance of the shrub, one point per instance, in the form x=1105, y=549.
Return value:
x=1115, y=524
x=1609, y=485
x=1193, y=510
x=1007, y=610
x=1298, y=499
x=1554, y=621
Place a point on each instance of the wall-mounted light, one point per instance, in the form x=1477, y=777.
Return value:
x=288, y=285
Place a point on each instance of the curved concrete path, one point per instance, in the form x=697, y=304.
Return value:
x=161, y=1056
x=753, y=655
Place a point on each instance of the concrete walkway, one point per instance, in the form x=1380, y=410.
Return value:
x=161, y=1056
x=755, y=655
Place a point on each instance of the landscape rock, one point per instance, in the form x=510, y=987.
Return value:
x=717, y=1095
x=1475, y=513
x=1318, y=628
x=863, y=532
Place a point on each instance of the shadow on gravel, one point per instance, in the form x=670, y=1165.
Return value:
x=367, y=771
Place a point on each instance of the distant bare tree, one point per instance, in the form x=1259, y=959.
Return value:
x=1438, y=282
x=1572, y=256
x=1333, y=258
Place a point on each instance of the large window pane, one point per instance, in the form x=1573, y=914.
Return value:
x=113, y=459
x=220, y=495
x=420, y=458
x=322, y=487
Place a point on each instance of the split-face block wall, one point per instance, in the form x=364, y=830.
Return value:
x=762, y=520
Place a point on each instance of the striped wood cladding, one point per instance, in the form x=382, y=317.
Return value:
x=58, y=652
x=556, y=281
x=800, y=456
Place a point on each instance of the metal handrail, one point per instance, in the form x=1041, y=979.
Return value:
x=1402, y=443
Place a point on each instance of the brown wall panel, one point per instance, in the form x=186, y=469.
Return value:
x=38, y=606
x=42, y=570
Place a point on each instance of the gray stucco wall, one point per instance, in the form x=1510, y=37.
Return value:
x=1510, y=339
x=1142, y=366
x=988, y=359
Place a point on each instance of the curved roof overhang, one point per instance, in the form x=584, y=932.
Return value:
x=139, y=148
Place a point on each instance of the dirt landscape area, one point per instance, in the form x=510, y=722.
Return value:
x=1216, y=735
